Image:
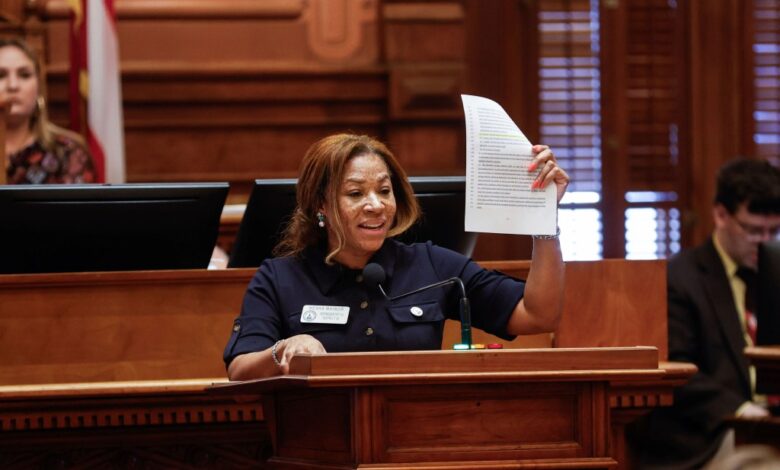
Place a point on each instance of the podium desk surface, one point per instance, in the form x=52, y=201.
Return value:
x=126, y=389
x=769, y=355
x=396, y=368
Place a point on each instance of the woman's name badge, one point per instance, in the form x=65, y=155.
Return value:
x=330, y=314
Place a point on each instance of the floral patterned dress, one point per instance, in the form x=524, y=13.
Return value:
x=69, y=162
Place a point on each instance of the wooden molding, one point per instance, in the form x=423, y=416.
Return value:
x=167, y=409
x=187, y=9
x=98, y=280
x=423, y=12
x=426, y=92
x=336, y=30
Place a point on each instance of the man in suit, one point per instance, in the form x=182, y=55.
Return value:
x=709, y=324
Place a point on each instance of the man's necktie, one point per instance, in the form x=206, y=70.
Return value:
x=750, y=277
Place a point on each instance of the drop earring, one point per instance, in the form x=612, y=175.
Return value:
x=321, y=219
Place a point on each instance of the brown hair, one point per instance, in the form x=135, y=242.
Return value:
x=43, y=129
x=755, y=183
x=322, y=171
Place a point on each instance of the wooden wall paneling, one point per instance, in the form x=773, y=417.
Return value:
x=434, y=52
x=614, y=125
x=748, y=88
x=423, y=31
x=12, y=12
x=688, y=179
x=423, y=51
x=716, y=101
x=501, y=64
x=91, y=327
x=235, y=90
x=343, y=31
x=615, y=303
x=502, y=58
x=16, y=21
x=427, y=149
x=178, y=9
x=426, y=92
x=106, y=370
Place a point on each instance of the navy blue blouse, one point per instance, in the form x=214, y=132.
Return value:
x=282, y=287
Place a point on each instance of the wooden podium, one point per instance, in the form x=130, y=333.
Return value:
x=540, y=408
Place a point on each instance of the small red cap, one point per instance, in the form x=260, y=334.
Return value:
x=495, y=346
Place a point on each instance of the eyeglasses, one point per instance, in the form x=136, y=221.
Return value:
x=757, y=232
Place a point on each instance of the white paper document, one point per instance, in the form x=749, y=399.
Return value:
x=499, y=198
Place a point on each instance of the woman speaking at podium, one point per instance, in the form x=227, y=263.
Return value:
x=352, y=198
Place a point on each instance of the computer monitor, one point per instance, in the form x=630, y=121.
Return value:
x=272, y=201
x=768, y=305
x=268, y=210
x=76, y=228
x=443, y=203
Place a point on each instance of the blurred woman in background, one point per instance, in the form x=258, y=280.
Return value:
x=36, y=150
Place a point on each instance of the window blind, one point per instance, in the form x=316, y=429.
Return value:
x=570, y=113
x=766, y=68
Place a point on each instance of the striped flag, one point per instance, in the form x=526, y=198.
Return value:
x=95, y=88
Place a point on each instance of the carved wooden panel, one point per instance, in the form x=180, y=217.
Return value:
x=511, y=416
x=166, y=424
x=561, y=424
x=62, y=408
x=214, y=446
x=223, y=31
x=219, y=447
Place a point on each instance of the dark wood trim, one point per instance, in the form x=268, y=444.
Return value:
x=614, y=126
x=187, y=9
x=717, y=102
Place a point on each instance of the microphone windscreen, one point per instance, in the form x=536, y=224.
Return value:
x=373, y=274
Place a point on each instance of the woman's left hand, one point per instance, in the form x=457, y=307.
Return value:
x=550, y=171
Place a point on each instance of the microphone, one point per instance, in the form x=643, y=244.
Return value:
x=374, y=275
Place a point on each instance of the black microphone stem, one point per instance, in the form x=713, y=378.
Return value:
x=465, y=322
x=464, y=307
x=374, y=274
x=438, y=284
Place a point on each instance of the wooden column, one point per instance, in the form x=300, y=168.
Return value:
x=501, y=58
x=717, y=46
